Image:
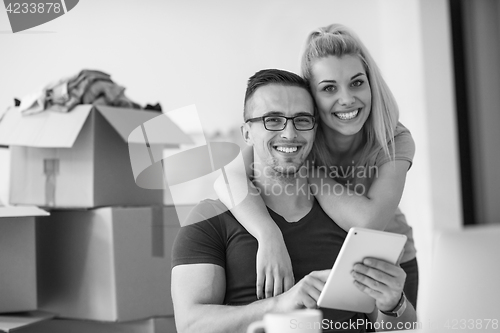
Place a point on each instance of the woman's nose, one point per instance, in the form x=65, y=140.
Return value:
x=346, y=97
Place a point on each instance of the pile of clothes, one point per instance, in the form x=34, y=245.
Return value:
x=87, y=87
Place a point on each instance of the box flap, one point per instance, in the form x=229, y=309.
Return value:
x=11, y=322
x=166, y=132
x=46, y=129
x=20, y=211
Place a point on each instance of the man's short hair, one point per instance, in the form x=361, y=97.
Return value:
x=272, y=76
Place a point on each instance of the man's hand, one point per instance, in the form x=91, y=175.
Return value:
x=304, y=294
x=274, y=269
x=381, y=280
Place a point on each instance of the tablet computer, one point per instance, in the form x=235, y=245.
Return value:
x=339, y=291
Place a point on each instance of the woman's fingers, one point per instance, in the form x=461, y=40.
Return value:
x=261, y=280
x=269, y=289
x=278, y=285
x=289, y=281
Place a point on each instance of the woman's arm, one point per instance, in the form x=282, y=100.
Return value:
x=373, y=209
x=274, y=267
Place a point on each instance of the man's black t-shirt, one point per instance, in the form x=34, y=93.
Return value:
x=313, y=244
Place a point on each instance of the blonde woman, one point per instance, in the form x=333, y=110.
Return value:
x=358, y=165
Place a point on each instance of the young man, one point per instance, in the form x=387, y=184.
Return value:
x=214, y=278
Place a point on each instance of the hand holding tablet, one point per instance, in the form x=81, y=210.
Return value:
x=340, y=291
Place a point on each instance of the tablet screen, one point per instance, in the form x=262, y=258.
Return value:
x=339, y=291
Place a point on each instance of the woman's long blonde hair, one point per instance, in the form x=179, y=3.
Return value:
x=378, y=131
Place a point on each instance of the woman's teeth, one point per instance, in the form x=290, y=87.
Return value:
x=347, y=115
x=287, y=149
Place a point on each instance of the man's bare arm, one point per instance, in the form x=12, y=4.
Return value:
x=198, y=294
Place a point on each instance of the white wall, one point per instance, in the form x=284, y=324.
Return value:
x=174, y=52
x=202, y=52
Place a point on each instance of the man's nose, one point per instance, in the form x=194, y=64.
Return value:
x=289, y=132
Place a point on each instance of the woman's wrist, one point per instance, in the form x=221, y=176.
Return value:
x=271, y=234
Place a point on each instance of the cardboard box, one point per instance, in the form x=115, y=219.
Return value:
x=4, y=175
x=107, y=264
x=81, y=159
x=15, y=322
x=152, y=325
x=18, y=287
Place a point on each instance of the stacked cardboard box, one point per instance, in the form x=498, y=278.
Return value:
x=104, y=252
x=18, y=321
x=18, y=278
x=18, y=284
x=4, y=175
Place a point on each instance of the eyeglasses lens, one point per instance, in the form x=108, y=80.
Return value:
x=301, y=123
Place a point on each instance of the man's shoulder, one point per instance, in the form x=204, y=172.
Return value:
x=202, y=237
x=207, y=210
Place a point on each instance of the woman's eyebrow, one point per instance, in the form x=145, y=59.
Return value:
x=327, y=81
x=333, y=81
x=355, y=76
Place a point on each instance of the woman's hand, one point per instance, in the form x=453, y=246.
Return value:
x=381, y=280
x=274, y=268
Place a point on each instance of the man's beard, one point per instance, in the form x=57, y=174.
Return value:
x=285, y=174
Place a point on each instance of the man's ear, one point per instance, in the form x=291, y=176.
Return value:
x=245, y=132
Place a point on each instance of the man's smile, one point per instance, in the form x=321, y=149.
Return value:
x=287, y=149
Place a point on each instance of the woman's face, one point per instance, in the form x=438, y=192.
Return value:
x=342, y=92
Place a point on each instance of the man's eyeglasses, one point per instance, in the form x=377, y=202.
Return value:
x=278, y=123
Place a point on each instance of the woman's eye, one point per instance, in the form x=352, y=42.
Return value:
x=357, y=83
x=329, y=88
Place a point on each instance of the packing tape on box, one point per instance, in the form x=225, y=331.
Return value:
x=50, y=170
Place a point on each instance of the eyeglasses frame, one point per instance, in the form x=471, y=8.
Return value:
x=252, y=120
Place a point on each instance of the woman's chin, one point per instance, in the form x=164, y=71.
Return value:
x=345, y=130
